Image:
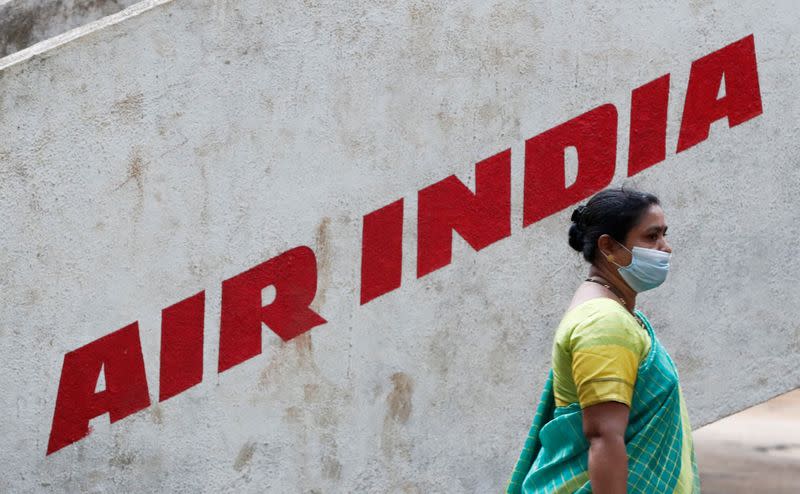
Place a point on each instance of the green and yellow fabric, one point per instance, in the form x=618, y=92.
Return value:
x=601, y=353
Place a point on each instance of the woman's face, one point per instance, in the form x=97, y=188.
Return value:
x=649, y=233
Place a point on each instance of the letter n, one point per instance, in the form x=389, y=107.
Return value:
x=594, y=136
x=294, y=276
x=481, y=218
x=119, y=354
x=736, y=65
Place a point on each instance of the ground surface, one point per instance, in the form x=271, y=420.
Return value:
x=754, y=451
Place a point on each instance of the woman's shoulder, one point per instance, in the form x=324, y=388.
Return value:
x=599, y=320
x=597, y=310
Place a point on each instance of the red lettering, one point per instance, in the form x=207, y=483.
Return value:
x=648, y=134
x=119, y=354
x=181, y=346
x=294, y=276
x=594, y=136
x=381, y=251
x=481, y=218
x=736, y=65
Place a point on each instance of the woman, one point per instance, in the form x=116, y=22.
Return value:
x=611, y=418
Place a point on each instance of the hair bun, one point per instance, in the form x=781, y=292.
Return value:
x=576, y=237
x=577, y=215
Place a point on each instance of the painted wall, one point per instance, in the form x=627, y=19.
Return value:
x=25, y=22
x=204, y=158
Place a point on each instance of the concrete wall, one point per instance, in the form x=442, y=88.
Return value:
x=152, y=158
x=25, y=22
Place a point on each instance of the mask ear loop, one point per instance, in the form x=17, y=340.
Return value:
x=610, y=258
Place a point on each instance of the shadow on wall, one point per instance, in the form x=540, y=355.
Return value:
x=757, y=450
x=26, y=22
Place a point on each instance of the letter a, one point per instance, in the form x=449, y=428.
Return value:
x=120, y=355
x=736, y=64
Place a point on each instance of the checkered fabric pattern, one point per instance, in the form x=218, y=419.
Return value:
x=554, y=459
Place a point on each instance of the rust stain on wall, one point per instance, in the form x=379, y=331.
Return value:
x=324, y=259
x=136, y=168
x=331, y=467
x=130, y=108
x=121, y=459
x=688, y=362
x=157, y=414
x=399, y=400
x=293, y=415
x=303, y=346
x=394, y=436
x=311, y=392
x=245, y=456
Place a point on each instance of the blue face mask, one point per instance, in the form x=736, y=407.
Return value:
x=647, y=270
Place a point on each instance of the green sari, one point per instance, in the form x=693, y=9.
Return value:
x=661, y=460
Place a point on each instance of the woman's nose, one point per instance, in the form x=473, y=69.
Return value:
x=666, y=247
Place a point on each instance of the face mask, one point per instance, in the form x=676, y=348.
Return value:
x=647, y=270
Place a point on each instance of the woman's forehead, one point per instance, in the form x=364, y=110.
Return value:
x=652, y=219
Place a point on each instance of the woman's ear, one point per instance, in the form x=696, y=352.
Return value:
x=606, y=245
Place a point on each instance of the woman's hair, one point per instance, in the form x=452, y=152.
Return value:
x=611, y=211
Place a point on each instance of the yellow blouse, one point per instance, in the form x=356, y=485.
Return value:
x=597, y=349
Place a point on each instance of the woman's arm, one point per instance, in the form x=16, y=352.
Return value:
x=604, y=427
